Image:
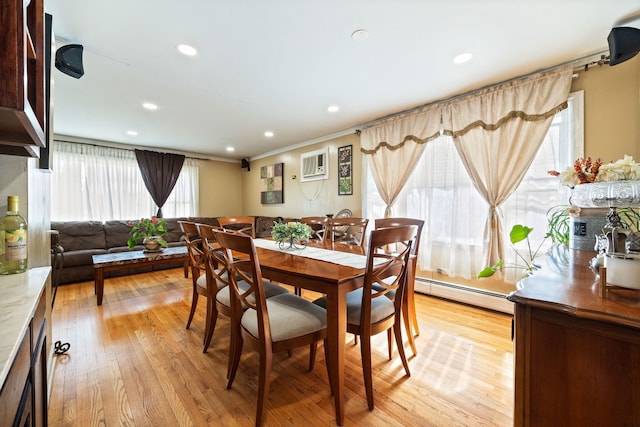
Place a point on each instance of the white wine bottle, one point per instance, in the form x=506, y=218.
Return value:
x=13, y=239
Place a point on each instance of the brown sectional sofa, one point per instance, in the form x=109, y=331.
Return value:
x=81, y=240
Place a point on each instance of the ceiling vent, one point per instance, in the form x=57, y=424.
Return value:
x=314, y=165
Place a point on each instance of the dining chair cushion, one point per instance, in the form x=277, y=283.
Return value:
x=289, y=316
x=392, y=293
x=381, y=308
x=270, y=290
x=202, y=280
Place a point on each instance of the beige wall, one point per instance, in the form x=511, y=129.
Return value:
x=315, y=198
x=612, y=110
x=220, y=188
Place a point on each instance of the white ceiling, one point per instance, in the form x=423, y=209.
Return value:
x=278, y=64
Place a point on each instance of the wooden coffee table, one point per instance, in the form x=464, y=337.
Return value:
x=122, y=260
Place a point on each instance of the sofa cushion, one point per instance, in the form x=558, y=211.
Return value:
x=264, y=224
x=76, y=235
x=117, y=232
x=209, y=220
x=118, y=249
x=80, y=257
x=174, y=231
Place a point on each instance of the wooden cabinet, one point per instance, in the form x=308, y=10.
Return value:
x=23, y=397
x=577, y=354
x=22, y=77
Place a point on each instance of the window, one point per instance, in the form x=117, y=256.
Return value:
x=102, y=183
x=440, y=192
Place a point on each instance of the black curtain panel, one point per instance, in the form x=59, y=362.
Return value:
x=160, y=171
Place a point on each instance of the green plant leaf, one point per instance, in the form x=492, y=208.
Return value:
x=487, y=272
x=519, y=233
x=490, y=271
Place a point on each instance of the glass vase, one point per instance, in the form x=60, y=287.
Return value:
x=606, y=194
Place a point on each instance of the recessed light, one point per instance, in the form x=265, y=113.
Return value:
x=359, y=35
x=185, y=49
x=333, y=109
x=230, y=149
x=149, y=106
x=462, y=58
x=132, y=133
x=268, y=134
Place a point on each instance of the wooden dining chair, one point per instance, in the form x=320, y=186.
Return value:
x=408, y=304
x=268, y=325
x=351, y=230
x=196, y=263
x=242, y=224
x=319, y=225
x=217, y=281
x=370, y=312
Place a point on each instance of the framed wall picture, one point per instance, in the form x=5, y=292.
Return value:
x=345, y=178
x=272, y=184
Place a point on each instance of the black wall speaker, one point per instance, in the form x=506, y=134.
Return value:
x=69, y=60
x=245, y=164
x=624, y=44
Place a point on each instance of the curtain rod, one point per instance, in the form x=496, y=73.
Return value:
x=580, y=64
x=127, y=147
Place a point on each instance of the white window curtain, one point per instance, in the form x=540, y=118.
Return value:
x=442, y=193
x=98, y=183
x=393, y=148
x=497, y=133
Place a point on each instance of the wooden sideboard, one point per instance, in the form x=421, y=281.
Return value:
x=577, y=354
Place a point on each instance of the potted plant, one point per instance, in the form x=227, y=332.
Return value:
x=293, y=233
x=150, y=230
x=518, y=234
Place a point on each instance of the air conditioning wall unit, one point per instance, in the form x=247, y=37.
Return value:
x=314, y=165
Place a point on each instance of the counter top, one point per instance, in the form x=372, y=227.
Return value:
x=567, y=284
x=19, y=296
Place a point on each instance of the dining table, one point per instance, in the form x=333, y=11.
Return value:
x=330, y=268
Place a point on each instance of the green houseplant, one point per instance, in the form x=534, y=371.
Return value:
x=291, y=232
x=148, y=229
x=518, y=234
x=559, y=216
x=558, y=221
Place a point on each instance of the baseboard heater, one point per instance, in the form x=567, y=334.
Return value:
x=464, y=294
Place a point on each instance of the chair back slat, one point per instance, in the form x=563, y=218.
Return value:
x=396, y=222
x=390, y=272
x=242, y=261
x=350, y=230
x=215, y=263
x=195, y=247
x=318, y=224
x=241, y=224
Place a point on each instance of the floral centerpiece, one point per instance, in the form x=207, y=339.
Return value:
x=150, y=230
x=292, y=233
x=586, y=171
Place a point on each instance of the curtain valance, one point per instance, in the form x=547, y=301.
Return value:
x=534, y=98
x=419, y=127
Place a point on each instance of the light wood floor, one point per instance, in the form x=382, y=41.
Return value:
x=133, y=363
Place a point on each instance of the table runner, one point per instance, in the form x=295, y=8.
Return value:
x=335, y=257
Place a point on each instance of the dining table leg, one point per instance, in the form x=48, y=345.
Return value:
x=336, y=334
